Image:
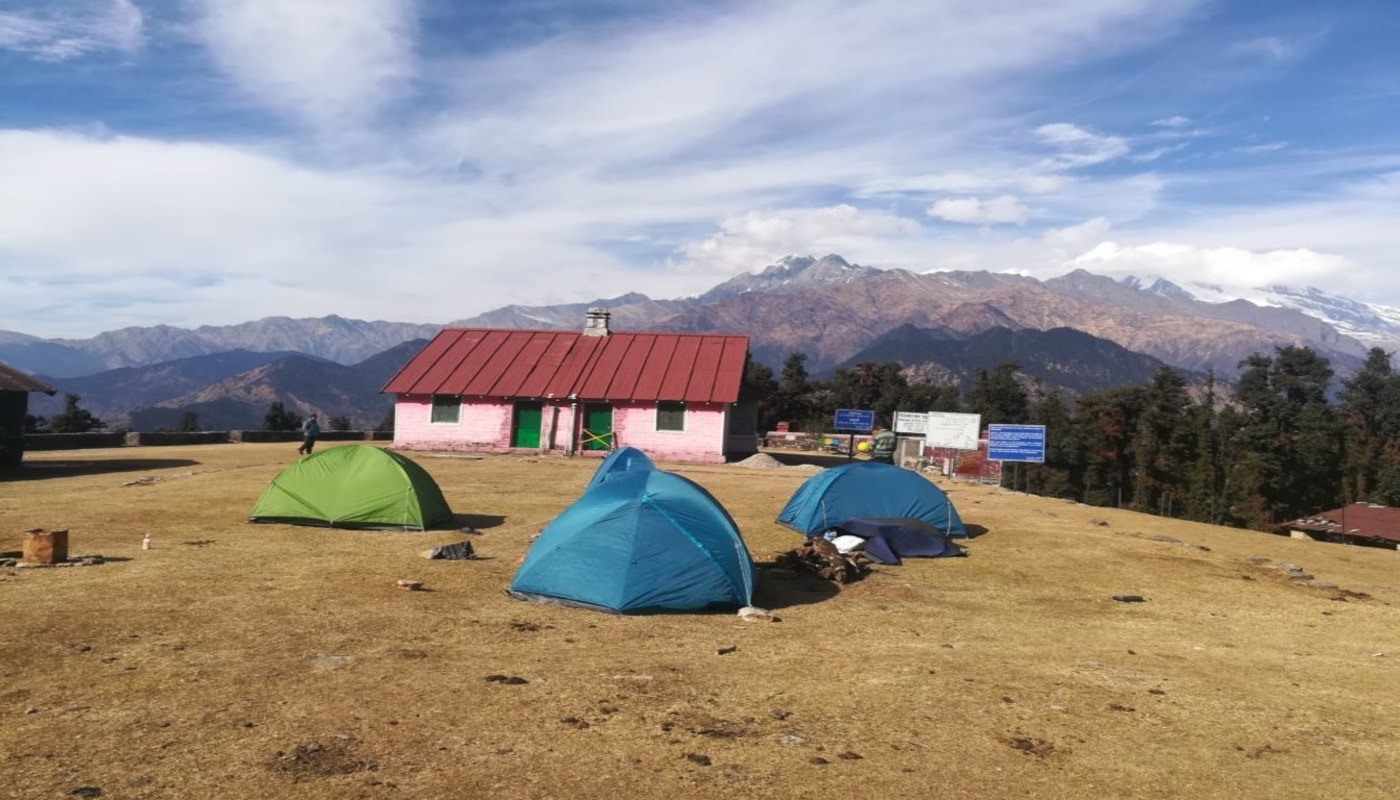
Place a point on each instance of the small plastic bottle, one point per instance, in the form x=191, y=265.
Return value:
x=146, y=542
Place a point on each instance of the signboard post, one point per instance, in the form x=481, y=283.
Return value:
x=910, y=422
x=854, y=421
x=1016, y=443
x=957, y=431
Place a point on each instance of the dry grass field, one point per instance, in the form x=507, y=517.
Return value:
x=234, y=660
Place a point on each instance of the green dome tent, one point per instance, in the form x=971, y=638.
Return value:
x=356, y=486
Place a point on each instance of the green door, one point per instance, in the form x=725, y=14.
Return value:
x=525, y=430
x=597, y=426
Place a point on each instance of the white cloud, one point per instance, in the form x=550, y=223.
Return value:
x=985, y=180
x=144, y=204
x=227, y=234
x=1350, y=221
x=1079, y=147
x=1156, y=153
x=1268, y=48
x=976, y=211
x=50, y=35
x=1176, y=121
x=1037, y=183
x=329, y=63
x=749, y=241
x=209, y=234
x=1077, y=238
x=1258, y=149
x=1122, y=200
x=1231, y=266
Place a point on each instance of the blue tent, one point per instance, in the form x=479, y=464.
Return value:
x=620, y=462
x=868, y=489
x=887, y=540
x=643, y=540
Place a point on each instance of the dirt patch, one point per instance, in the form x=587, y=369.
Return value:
x=319, y=760
x=1031, y=746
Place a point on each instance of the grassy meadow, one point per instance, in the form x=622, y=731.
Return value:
x=234, y=660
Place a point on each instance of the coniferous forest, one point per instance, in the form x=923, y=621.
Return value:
x=1285, y=441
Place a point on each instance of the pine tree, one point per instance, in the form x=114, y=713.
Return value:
x=1107, y=424
x=998, y=396
x=760, y=388
x=1159, y=445
x=1061, y=474
x=74, y=418
x=279, y=418
x=796, y=401
x=1291, y=433
x=1204, y=436
x=870, y=387
x=1370, y=415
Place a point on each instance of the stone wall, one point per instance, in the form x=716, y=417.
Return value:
x=166, y=438
x=84, y=441
x=73, y=441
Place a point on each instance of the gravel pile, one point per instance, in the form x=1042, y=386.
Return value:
x=765, y=461
x=760, y=461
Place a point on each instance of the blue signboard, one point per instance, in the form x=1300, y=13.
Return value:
x=849, y=419
x=1016, y=443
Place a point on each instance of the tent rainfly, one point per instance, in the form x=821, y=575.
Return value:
x=887, y=541
x=643, y=540
x=355, y=486
x=620, y=462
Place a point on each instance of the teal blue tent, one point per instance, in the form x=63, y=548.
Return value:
x=619, y=462
x=868, y=489
x=641, y=541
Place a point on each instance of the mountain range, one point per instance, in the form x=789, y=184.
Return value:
x=232, y=391
x=1081, y=331
x=1069, y=359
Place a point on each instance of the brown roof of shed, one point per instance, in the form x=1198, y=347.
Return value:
x=12, y=380
x=490, y=362
x=1361, y=520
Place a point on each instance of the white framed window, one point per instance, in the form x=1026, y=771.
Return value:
x=447, y=408
x=670, y=415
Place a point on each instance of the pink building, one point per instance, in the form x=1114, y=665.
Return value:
x=674, y=396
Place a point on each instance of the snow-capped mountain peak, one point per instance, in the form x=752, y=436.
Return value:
x=1369, y=323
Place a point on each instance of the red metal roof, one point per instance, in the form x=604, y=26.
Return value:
x=489, y=362
x=1361, y=520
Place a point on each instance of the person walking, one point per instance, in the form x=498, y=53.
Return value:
x=310, y=429
x=883, y=446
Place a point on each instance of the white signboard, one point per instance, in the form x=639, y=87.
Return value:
x=946, y=429
x=910, y=422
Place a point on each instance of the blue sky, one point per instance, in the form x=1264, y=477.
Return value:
x=193, y=162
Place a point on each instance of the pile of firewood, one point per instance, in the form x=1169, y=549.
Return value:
x=821, y=558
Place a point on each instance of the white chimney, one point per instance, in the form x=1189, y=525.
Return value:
x=595, y=322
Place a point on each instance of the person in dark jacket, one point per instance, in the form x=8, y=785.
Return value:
x=310, y=429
